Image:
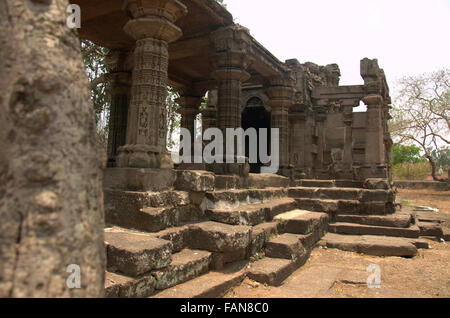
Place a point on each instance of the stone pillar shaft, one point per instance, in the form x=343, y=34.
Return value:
x=348, y=138
x=152, y=26
x=189, y=109
x=374, y=154
x=118, y=113
x=280, y=102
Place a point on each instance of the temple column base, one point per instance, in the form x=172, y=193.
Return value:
x=143, y=156
x=135, y=179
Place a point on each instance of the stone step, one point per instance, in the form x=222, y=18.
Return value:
x=357, y=207
x=371, y=245
x=229, y=199
x=286, y=246
x=121, y=286
x=185, y=266
x=148, y=211
x=362, y=229
x=213, y=284
x=302, y=222
x=260, y=181
x=136, y=253
x=252, y=214
x=400, y=220
x=430, y=229
x=229, y=243
x=324, y=193
x=273, y=271
x=261, y=233
x=328, y=205
x=362, y=195
x=329, y=183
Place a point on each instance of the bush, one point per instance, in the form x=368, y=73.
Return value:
x=411, y=171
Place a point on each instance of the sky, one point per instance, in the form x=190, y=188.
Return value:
x=408, y=37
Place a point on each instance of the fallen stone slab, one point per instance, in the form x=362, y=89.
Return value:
x=185, y=266
x=362, y=229
x=370, y=245
x=396, y=220
x=430, y=229
x=134, y=254
x=214, y=284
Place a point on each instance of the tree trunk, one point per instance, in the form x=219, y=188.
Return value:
x=51, y=201
x=433, y=167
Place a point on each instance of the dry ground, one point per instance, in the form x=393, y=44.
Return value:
x=432, y=198
x=335, y=273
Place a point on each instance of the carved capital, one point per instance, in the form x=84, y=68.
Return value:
x=170, y=10
x=373, y=100
x=231, y=38
x=153, y=27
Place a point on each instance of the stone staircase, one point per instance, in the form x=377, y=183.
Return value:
x=210, y=232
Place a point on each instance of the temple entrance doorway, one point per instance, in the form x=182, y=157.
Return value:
x=255, y=115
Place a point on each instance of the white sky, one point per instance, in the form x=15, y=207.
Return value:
x=408, y=37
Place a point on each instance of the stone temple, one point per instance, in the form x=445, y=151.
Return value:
x=193, y=230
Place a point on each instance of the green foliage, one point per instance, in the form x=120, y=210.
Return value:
x=402, y=153
x=222, y=3
x=173, y=119
x=94, y=60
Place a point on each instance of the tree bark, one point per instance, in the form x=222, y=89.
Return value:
x=51, y=201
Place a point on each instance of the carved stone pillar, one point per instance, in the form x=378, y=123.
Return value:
x=189, y=109
x=230, y=61
x=348, y=138
x=119, y=90
x=297, y=142
x=152, y=26
x=374, y=130
x=320, y=119
x=280, y=94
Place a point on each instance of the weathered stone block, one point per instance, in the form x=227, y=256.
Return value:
x=218, y=237
x=134, y=254
x=185, y=266
x=119, y=286
x=198, y=181
x=285, y=246
x=376, y=183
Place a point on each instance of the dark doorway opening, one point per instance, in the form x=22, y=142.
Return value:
x=256, y=116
